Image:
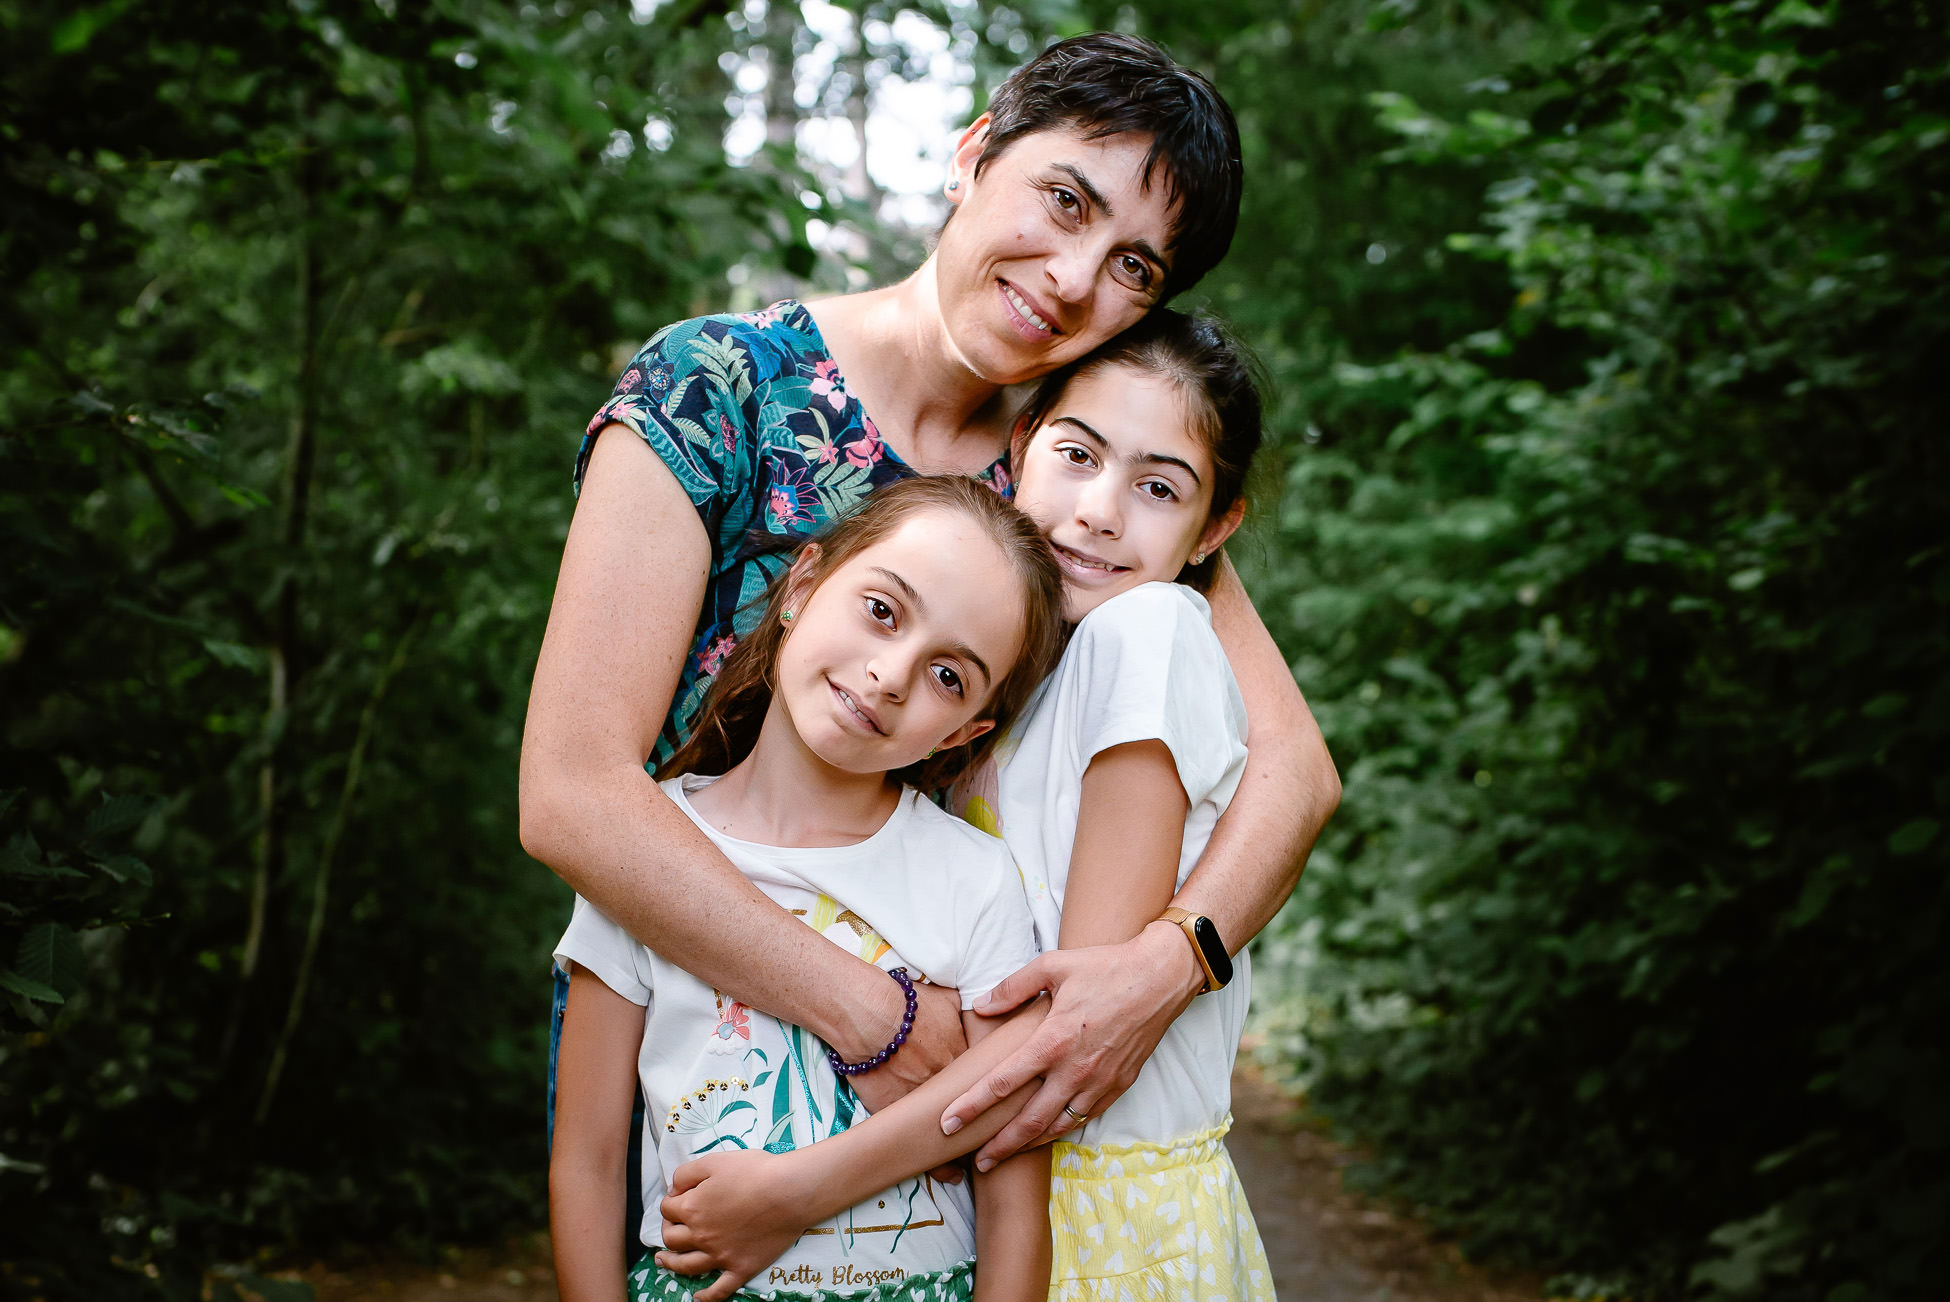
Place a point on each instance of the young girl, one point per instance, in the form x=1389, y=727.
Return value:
x=890, y=650
x=1133, y=465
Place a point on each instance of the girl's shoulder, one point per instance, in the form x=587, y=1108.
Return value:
x=941, y=833
x=1167, y=619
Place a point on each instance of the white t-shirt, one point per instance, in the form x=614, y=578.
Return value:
x=926, y=892
x=1143, y=666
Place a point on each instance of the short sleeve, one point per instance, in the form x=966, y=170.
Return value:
x=1147, y=666
x=1001, y=934
x=689, y=394
x=607, y=951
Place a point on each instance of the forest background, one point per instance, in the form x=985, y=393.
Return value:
x=1605, y=530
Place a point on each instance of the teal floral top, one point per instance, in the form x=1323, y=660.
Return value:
x=752, y=416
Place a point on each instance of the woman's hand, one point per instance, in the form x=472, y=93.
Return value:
x=1110, y=1005
x=935, y=1040
x=732, y=1212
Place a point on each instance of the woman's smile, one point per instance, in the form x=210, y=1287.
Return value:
x=1029, y=322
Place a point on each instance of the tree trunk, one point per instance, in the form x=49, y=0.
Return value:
x=321, y=887
x=300, y=452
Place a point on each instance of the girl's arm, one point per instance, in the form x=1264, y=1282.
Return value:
x=736, y=1212
x=1111, y=1004
x=1012, y=1237
x=588, y=1163
x=631, y=585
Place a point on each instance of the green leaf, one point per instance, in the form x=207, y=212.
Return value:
x=51, y=955
x=1913, y=836
x=117, y=814
x=126, y=868
x=234, y=654
x=21, y=985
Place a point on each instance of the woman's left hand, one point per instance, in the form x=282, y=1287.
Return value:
x=731, y=1212
x=1109, y=1007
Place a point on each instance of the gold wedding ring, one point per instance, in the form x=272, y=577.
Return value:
x=1075, y=1116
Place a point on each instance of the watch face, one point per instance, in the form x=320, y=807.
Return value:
x=1214, y=951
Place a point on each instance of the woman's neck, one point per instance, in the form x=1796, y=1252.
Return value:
x=782, y=794
x=894, y=351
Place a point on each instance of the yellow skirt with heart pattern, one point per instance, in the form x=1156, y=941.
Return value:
x=1133, y=1222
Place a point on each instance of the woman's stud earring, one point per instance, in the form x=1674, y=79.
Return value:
x=785, y=617
x=954, y=185
x=931, y=751
x=1198, y=558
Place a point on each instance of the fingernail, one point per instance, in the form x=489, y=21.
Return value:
x=983, y=1002
x=949, y=1125
x=984, y=1164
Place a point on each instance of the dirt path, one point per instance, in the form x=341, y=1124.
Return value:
x=1325, y=1244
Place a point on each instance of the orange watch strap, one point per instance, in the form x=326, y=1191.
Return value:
x=1185, y=920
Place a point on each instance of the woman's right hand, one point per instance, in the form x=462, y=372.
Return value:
x=935, y=1041
x=731, y=1212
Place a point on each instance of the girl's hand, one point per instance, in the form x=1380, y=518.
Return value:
x=1126, y=995
x=731, y=1212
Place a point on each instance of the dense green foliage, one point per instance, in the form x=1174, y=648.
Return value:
x=304, y=308
x=1605, y=530
x=1626, y=608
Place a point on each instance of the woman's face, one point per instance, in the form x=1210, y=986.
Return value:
x=1121, y=484
x=1056, y=247
x=897, y=651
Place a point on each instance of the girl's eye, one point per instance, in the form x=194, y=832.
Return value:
x=880, y=612
x=1159, y=491
x=949, y=679
x=1076, y=456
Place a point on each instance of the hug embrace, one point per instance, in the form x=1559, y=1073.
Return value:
x=945, y=694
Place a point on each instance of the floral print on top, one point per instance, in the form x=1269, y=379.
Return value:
x=751, y=414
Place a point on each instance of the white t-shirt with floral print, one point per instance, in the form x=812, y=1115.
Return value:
x=926, y=892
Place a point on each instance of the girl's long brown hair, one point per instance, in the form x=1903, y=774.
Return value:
x=727, y=728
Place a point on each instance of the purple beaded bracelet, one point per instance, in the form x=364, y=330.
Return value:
x=900, y=1037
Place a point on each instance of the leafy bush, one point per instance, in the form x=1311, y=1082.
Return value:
x=1627, y=612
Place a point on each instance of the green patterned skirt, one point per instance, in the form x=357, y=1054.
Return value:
x=650, y=1282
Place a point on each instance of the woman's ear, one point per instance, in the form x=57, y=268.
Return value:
x=968, y=151
x=1222, y=527
x=966, y=733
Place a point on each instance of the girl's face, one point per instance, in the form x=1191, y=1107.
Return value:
x=1056, y=247
x=896, y=652
x=1121, y=485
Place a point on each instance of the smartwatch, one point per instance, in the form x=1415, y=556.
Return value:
x=1206, y=944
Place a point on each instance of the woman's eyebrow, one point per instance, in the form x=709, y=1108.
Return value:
x=1143, y=458
x=1092, y=193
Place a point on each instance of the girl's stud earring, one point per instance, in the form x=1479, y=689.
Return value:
x=954, y=185
x=1197, y=559
x=785, y=617
x=931, y=751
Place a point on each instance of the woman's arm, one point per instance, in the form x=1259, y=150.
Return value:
x=587, y=1173
x=1127, y=995
x=631, y=585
